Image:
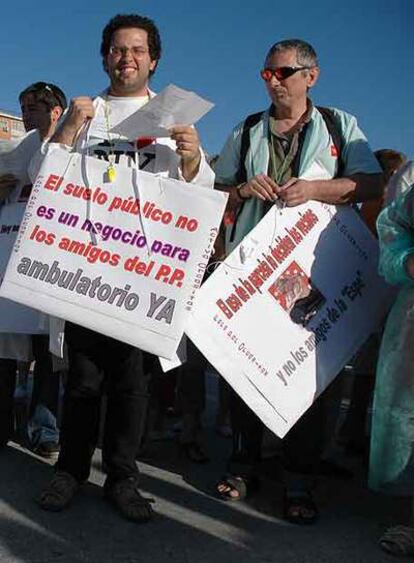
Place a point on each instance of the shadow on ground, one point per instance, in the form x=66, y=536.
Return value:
x=190, y=525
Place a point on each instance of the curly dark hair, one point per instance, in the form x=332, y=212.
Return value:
x=121, y=21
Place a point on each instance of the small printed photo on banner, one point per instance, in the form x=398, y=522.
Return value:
x=297, y=294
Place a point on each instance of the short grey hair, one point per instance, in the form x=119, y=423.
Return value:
x=305, y=53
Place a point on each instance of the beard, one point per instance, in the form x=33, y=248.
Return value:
x=135, y=84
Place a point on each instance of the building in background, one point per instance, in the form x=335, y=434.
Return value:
x=11, y=125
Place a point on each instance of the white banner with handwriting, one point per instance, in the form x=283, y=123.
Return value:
x=289, y=307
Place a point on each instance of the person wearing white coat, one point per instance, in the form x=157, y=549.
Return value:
x=130, y=50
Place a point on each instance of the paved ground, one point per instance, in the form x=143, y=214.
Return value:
x=191, y=525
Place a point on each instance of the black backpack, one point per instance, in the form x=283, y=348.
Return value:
x=251, y=120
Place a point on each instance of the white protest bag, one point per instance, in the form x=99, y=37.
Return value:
x=124, y=258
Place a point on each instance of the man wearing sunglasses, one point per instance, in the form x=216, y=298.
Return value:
x=289, y=153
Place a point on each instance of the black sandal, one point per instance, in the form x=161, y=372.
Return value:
x=242, y=485
x=300, y=508
x=232, y=483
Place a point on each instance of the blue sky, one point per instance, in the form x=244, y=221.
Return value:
x=217, y=48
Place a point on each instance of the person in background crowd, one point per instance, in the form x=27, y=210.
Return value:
x=390, y=161
x=42, y=105
x=353, y=431
x=391, y=467
x=291, y=141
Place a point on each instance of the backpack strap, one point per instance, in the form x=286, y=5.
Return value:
x=241, y=174
x=332, y=125
x=296, y=160
x=335, y=132
x=249, y=122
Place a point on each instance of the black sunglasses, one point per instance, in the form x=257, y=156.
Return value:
x=281, y=72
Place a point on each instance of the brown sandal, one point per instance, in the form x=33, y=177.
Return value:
x=126, y=498
x=300, y=508
x=398, y=540
x=58, y=494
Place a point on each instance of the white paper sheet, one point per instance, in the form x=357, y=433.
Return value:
x=172, y=106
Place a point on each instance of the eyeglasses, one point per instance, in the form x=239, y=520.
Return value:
x=121, y=51
x=281, y=72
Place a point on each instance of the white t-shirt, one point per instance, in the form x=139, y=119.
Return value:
x=110, y=111
x=155, y=157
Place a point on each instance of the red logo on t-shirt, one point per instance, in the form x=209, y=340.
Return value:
x=144, y=141
x=334, y=151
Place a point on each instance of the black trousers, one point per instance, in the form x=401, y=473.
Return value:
x=7, y=386
x=191, y=394
x=191, y=387
x=301, y=448
x=45, y=382
x=98, y=363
